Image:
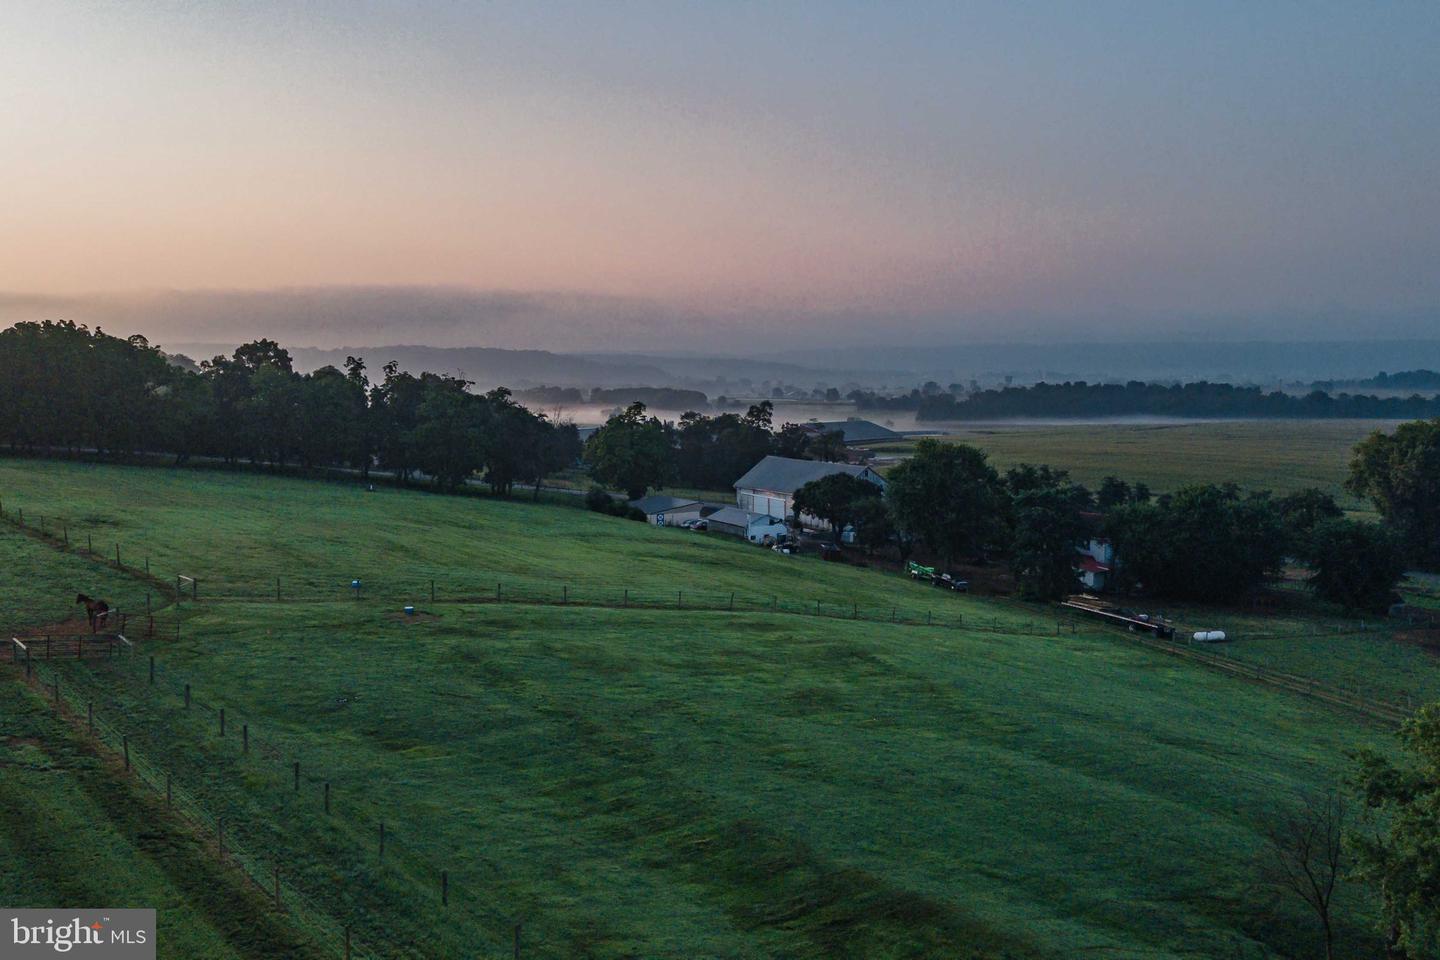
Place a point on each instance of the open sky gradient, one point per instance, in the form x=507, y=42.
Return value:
x=684, y=174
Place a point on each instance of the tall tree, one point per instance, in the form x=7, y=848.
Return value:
x=1355, y=564
x=1401, y=858
x=835, y=499
x=1047, y=533
x=1201, y=543
x=949, y=496
x=631, y=451
x=1306, y=857
x=1400, y=473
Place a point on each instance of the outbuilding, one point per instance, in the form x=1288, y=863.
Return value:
x=667, y=511
x=755, y=527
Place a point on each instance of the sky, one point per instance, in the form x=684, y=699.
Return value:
x=745, y=176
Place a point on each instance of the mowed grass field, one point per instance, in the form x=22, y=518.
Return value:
x=1279, y=455
x=75, y=833
x=676, y=782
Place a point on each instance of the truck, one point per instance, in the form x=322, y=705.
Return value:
x=948, y=581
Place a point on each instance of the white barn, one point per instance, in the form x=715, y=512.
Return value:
x=769, y=486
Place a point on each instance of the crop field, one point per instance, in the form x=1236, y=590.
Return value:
x=652, y=780
x=1279, y=455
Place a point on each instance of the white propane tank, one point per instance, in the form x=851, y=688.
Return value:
x=1209, y=636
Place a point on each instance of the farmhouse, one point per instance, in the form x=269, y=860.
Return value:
x=769, y=486
x=853, y=430
x=755, y=527
x=1095, y=561
x=666, y=511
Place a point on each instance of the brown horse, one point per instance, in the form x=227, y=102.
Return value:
x=96, y=611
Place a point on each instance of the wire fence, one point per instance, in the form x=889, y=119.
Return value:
x=388, y=891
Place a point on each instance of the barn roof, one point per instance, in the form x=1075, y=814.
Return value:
x=855, y=431
x=784, y=475
x=736, y=517
x=659, y=503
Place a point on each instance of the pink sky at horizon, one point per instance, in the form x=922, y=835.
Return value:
x=722, y=161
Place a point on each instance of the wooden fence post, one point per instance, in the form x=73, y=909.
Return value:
x=125, y=745
x=277, y=589
x=244, y=738
x=222, y=721
x=297, y=776
x=187, y=696
x=117, y=556
x=432, y=591
x=220, y=836
x=277, y=884
x=167, y=790
x=47, y=646
x=152, y=670
x=517, y=941
x=444, y=888
x=347, y=943
x=327, y=796
x=90, y=716
x=89, y=543
x=382, y=839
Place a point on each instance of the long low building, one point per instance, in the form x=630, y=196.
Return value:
x=666, y=511
x=855, y=430
x=769, y=486
x=755, y=527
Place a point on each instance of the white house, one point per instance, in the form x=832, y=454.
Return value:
x=769, y=486
x=1095, y=561
x=666, y=511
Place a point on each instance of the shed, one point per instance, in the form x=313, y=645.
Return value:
x=754, y=527
x=667, y=511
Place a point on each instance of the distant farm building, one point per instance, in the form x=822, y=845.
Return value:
x=769, y=486
x=1095, y=562
x=666, y=511
x=755, y=527
x=853, y=431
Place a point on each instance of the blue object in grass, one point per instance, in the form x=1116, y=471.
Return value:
x=409, y=611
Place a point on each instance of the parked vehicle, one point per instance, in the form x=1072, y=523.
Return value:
x=951, y=582
x=919, y=571
x=829, y=551
x=696, y=524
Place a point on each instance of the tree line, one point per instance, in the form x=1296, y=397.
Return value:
x=635, y=451
x=1203, y=542
x=65, y=386
x=1201, y=399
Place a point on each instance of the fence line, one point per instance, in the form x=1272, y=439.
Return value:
x=190, y=588
x=392, y=851
x=314, y=921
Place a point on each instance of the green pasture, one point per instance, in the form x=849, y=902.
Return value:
x=1279, y=455
x=681, y=782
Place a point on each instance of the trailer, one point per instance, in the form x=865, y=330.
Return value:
x=1139, y=623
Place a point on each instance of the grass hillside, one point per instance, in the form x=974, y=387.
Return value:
x=678, y=782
